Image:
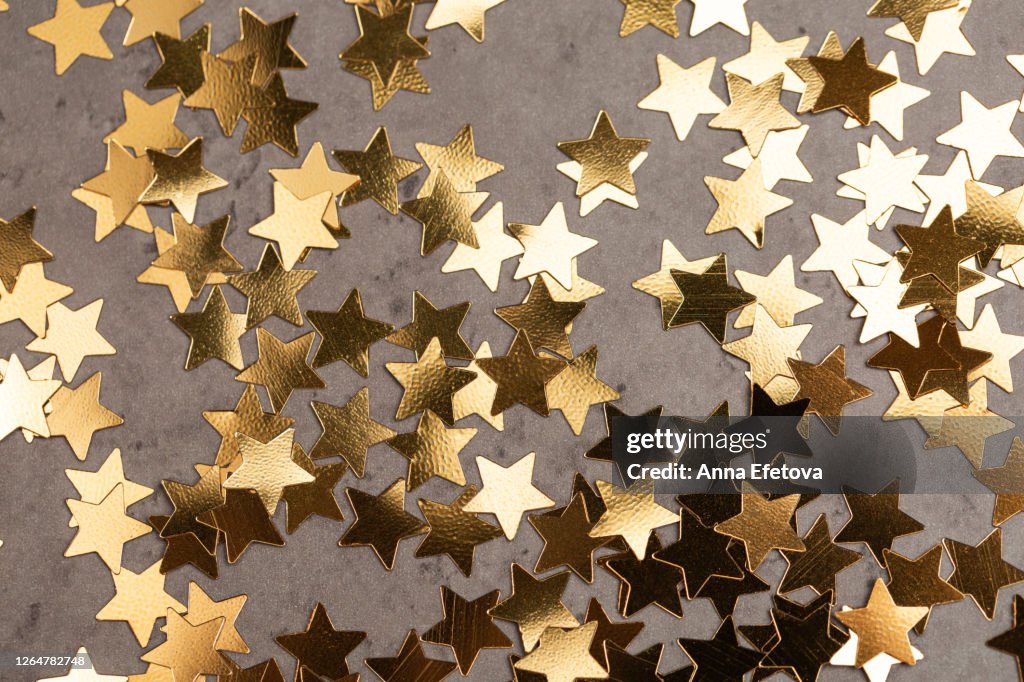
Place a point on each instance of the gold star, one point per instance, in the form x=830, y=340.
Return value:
x=543, y=319
x=987, y=336
x=919, y=582
x=181, y=178
x=181, y=64
x=316, y=498
x=521, y=376
x=663, y=286
x=296, y=225
x=104, y=528
x=605, y=156
x=247, y=418
x=564, y=655
x=192, y=502
x=888, y=105
x=913, y=13
x=536, y=605
x=429, y=383
x=768, y=57
x=445, y=214
x=202, y=609
x=949, y=189
x=77, y=415
x=707, y=13
x=683, y=94
x=777, y=293
x=269, y=42
x=469, y=14
x=348, y=431
x=968, y=427
x=744, y=203
x=18, y=248
x=576, y=389
x=883, y=312
x=432, y=450
x=213, y=333
x=71, y=335
x=707, y=298
x=826, y=387
x=267, y=468
x=190, y=650
x=157, y=16
x=458, y=160
x=30, y=297
x=381, y=522
x=74, y=31
x=227, y=87
x=93, y=486
x=123, y=180
x=495, y=246
x=477, y=396
x=763, y=525
x=198, y=252
x=991, y=218
x=428, y=323
x=941, y=34
x=379, y=172
x=937, y=250
x=754, y=110
x=508, y=492
x=315, y=176
x=148, y=125
x=347, y=334
x=1006, y=482
x=882, y=627
x=550, y=247
x=281, y=367
x=271, y=290
x=984, y=133
x=103, y=207
x=980, y=571
x=384, y=40
x=139, y=600
x=456, y=533
x=930, y=405
x=22, y=398
x=407, y=76
x=887, y=180
x=849, y=82
x=276, y=120
x=631, y=513
x=813, y=82
x=779, y=157
x=466, y=628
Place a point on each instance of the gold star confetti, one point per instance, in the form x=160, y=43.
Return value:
x=378, y=169
x=469, y=14
x=198, y=252
x=882, y=626
x=276, y=120
x=550, y=247
x=157, y=16
x=247, y=418
x=495, y=246
x=535, y=605
x=768, y=347
x=575, y=389
x=827, y=387
x=181, y=61
x=445, y=214
x=148, y=125
x=744, y=204
x=347, y=334
x=887, y=181
x=321, y=648
x=631, y=513
x=139, y=600
x=980, y=570
x=777, y=293
x=71, y=335
x=190, y=650
x=564, y=655
x=267, y=468
x=850, y=82
x=104, y=528
x=22, y=398
x=521, y=376
x=315, y=176
x=74, y=31
x=684, y=94
x=707, y=298
x=181, y=178
x=768, y=57
x=983, y=133
x=281, y=367
x=296, y=225
x=381, y=522
x=941, y=34
x=213, y=333
x=269, y=42
x=77, y=415
x=32, y=294
x=754, y=110
x=763, y=525
x=271, y=290
x=429, y=383
x=508, y=492
x=348, y=431
x=888, y=105
x=707, y=13
x=604, y=156
x=458, y=160
x=477, y=396
x=1005, y=481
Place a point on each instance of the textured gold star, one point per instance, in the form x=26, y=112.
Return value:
x=190, y=650
x=707, y=297
x=268, y=41
x=445, y=214
x=777, y=292
x=18, y=248
x=707, y=13
x=882, y=626
x=458, y=160
x=379, y=172
x=384, y=40
x=477, y=396
x=213, y=333
x=550, y=247
x=432, y=450
x=104, y=528
x=826, y=386
x=604, y=156
x=22, y=398
x=74, y=31
x=276, y=120
x=768, y=57
x=495, y=246
x=198, y=252
x=984, y=133
x=941, y=35
x=968, y=427
x=296, y=225
x=271, y=290
x=683, y=94
x=281, y=367
x=267, y=468
x=181, y=178
x=631, y=513
x=181, y=64
x=123, y=180
x=429, y=383
x=521, y=376
x=575, y=389
x=77, y=415
x=663, y=286
x=315, y=176
x=139, y=600
x=30, y=297
x=148, y=125
x=754, y=110
x=744, y=203
x=535, y=605
x=469, y=14
x=428, y=323
x=347, y=334
x=849, y=82
x=247, y=418
x=508, y=492
x=227, y=88
x=157, y=16
x=564, y=655
x=381, y=522
x=763, y=525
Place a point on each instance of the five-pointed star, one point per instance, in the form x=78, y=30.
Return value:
x=544, y=319
x=708, y=298
x=445, y=214
x=139, y=600
x=721, y=655
x=198, y=252
x=74, y=31
x=102, y=205
x=281, y=367
x=508, y=492
x=850, y=82
x=123, y=180
x=385, y=41
x=181, y=61
x=276, y=120
x=148, y=125
x=841, y=245
x=663, y=286
x=535, y=605
x=433, y=450
x=777, y=292
x=744, y=203
x=77, y=415
x=202, y=608
x=495, y=246
x=247, y=418
x=876, y=519
x=564, y=655
x=763, y=525
x=817, y=566
x=1012, y=641
x=1006, y=482
x=347, y=334
x=271, y=290
x=768, y=346
x=381, y=522
x=983, y=133
x=941, y=35
x=604, y=156
x=31, y=296
x=521, y=376
x=477, y=397
x=576, y=388
x=949, y=189
x=269, y=42
x=550, y=247
x=779, y=157
x=214, y=333
x=18, y=248
x=683, y=94
x=466, y=627
x=379, y=172
x=104, y=528
x=190, y=650
x=660, y=14
x=887, y=180
x=754, y=110
x=882, y=626
x=267, y=468
x=296, y=225
x=429, y=383
x=348, y=431
x=157, y=16
x=631, y=513
x=22, y=398
x=71, y=335
x=428, y=323
x=937, y=250
x=469, y=14
x=827, y=388
x=918, y=582
x=968, y=427
x=994, y=219
x=768, y=57
x=707, y=13
x=980, y=571
x=567, y=539
x=321, y=648
x=93, y=486
x=315, y=176
x=455, y=532
x=241, y=521
x=315, y=498
x=882, y=305
x=227, y=88
x=887, y=106
x=180, y=178
x=457, y=159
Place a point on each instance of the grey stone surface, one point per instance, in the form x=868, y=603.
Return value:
x=544, y=72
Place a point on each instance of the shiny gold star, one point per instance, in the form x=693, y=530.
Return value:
x=495, y=246
x=763, y=525
x=103, y=206
x=535, y=605
x=508, y=492
x=968, y=427
x=744, y=203
x=913, y=13
x=707, y=297
x=683, y=94
x=379, y=172
x=315, y=176
x=984, y=133
x=181, y=64
x=477, y=396
x=429, y=383
x=347, y=334
x=521, y=376
x=663, y=286
x=181, y=178
x=123, y=180
x=384, y=40
x=18, y=248
x=754, y=110
x=432, y=450
x=213, y=333
x=981, y=572
x=849, y=82
x=228, y=89
x=296, y=225
x=321, y=649
x=281, y=367
x=605, y=156
x=32, y=294
x=71, y=335
x=631, y=513
x=1007, y=482
x=458, y=160
x=564, y=655
x=575, y=389
x=381, y=522
x=991, y=218
x=768, y=57
x=271, y=290
x=941, y=34
x=882, y=626
x=202, y=608
x=276, y=120
x=768, y=347
x=148, y=125
x=827, y=388
x=428, y=323
x=190, y=650
x=268, y=41
x=707, y=13
x=93, y=486
x=139, y=600
x=198, y=252
x=104, y=528
x=777, y=293
x=247, y=418
x=543, y=319
x=22, y=398
x=445, y=214
x=469, y=14
x=74, y=31
x=267, y=468
x=77, y=415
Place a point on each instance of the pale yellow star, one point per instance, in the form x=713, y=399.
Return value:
x=983, y=133
x=507, y=492
x=941, y=34
x=842, y=244
x=768, y=347
x=768, y=57
x=469, y=14
x=987, y=336
x=71, y=335
x=948, y=189
x=296, y=225
x=779, y=160
x=882, y=303
x=888, y=105
x=887, y=180
x=550, y=247
x=707, y=13
x=684, y=94
x=777, y=292
x=496, y=246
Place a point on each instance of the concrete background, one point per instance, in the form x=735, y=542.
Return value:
x=542, y=75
